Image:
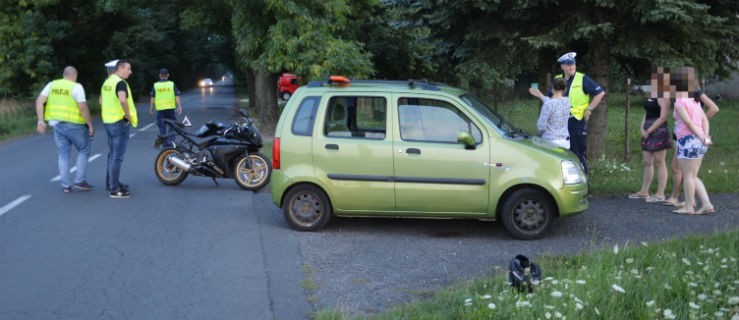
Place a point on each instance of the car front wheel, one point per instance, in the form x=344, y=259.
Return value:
x=528, y=214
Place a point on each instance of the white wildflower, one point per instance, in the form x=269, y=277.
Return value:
x=548, y=279
x=580, y=281
x=491, y=306
x=549, y=307
x=667, y=286
x=487, y=296
x=629, y=260
x=468, y=302
x=617, y=288
x=686, y=261
x=692, y=284
x=668, y=314
x=578, y=306
x=556, y=294
x=693, y=305
x=596, y=311
x=520, y=304
x=650, y=303
x=734, y=300
x=615, y=249
x=644, y=244
x=558, y=314
x=702, y=297
x=548, y=315
x=718, y=314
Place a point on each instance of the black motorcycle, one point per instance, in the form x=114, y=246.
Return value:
x=217, y=151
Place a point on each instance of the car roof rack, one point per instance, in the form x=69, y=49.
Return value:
x=411, y=83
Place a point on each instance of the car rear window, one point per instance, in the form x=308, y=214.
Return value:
x=305, y=116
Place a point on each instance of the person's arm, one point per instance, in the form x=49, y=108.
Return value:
x=536, y=93
x=40, y=124
x=593, y=104
x=664, y=109
x=123, y=98
x=683, y=114
x=712, y=107
x=179, y=104
x=151, y=104
x=644, y=132
x=85, y=110
x=543, y=117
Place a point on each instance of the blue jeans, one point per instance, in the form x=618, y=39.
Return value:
x=117, y=142
x=67, y=135
x=164, y=130
x=578, y=130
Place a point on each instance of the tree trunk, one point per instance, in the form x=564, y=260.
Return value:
x=598, y=124
x=265, y=101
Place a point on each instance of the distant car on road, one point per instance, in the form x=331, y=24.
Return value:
x=207, y=82
x=287, y=84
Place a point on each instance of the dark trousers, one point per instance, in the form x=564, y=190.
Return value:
x=579, y=140
x=165, y=132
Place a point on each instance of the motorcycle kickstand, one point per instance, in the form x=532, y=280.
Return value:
x=214, y=181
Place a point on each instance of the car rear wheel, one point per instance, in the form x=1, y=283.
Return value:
x=528, y=214
x=307, y=208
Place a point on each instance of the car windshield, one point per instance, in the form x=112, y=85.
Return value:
x=489, y=114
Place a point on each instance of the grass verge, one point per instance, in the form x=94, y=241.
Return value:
x=689, y=278
x=17, y=118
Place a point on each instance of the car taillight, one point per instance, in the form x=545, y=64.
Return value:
x=276, y=154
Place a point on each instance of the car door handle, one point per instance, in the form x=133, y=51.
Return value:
x=332, y=146
x=413, y=151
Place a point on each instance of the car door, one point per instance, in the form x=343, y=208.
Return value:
x=434, y=174
x=353, y=155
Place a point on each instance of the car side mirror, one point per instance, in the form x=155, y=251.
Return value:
x=465, y=138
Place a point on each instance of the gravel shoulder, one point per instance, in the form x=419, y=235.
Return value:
x=365, y=266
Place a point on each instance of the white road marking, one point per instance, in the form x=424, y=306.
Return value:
x=147, y=126
x=13, y=204
x=57, y=178
x=131, y=135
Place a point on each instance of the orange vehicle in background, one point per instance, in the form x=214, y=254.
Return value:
x=287, y=84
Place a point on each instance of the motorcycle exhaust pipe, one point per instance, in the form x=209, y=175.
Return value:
x=179, y=163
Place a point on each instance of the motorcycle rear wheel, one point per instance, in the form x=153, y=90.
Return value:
x=166, y=172
x=254, y=174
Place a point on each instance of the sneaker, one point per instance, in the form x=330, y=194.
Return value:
x=120, y=193
x=67, y=189
x=84, y=186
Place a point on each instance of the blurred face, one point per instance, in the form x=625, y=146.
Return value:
x=569, y=69
x=124, y=71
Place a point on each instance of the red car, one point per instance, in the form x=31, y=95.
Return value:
x=287, y=85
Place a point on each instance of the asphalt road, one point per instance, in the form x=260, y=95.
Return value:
x=201, y=251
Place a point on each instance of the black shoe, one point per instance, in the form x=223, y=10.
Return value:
x=158, y=142
x=120, y=193
x=84, y=186
x=67, y=189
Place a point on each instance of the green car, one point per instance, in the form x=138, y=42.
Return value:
x=416, y=150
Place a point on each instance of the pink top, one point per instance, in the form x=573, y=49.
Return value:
x=694, y=111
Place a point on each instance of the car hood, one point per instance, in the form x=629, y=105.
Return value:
x=547, y=147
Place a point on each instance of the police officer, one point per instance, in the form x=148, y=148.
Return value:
x=164, y=96
x=119, y=114
x=62, y=102
x=584, y=95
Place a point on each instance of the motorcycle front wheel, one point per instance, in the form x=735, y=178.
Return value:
x=253, y=172
x=167, y=172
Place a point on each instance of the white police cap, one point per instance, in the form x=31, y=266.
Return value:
x=111, y=64
x=567, y=58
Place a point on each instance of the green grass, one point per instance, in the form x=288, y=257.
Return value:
x=613, y=174
x=17, y=118
x=689, y=278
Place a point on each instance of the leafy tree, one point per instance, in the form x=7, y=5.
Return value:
x=508, y=37
x=304, y=37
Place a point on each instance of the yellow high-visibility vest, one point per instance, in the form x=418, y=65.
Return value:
x=60, y=105
x=164, y=97
x=578, y=98
x=111, y=108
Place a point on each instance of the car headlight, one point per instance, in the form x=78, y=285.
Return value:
x=571, y=173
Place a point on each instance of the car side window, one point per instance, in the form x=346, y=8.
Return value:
x=305, y=116
x=433, y=121
x=356, y=117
